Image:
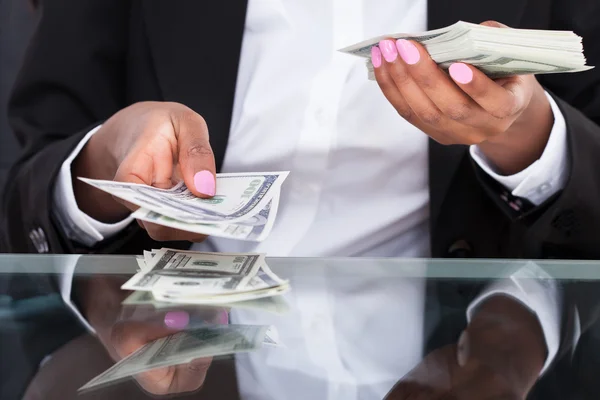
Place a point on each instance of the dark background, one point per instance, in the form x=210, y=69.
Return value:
x=17, y=21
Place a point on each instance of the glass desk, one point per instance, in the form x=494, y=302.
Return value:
x=348, y=329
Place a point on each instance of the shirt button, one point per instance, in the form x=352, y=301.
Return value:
x=321, y=117
x=545, y=188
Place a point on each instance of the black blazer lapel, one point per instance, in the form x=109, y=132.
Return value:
x=196, y=47
x=444, y=160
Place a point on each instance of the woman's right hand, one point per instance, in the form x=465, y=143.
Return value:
x=152, y=143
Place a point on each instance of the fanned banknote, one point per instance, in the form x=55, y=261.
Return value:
x=244, y=206
x=497, y=52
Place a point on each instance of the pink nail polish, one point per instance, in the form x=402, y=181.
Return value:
x=461, y=73
x=224, y=318
x=408, y=51
x=205, y=183
x=376, y=56
x=177, y=319
x=389, y=51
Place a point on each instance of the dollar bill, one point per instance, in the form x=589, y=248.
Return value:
x=496, y=52
x=195, y=272
x=239, y=197
x=255, y=228
x=264, y=285
x=185, y=346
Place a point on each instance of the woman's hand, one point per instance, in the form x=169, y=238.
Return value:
x=151, y=143
x=510, y=119
x=499, y=357
x=122, y=330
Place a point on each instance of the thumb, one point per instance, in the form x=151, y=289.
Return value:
x=196, y=158
x=493, y=24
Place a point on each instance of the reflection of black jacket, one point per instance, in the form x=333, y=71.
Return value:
x=90, y=59
x=573, y=373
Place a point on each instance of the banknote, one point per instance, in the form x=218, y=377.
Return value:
x=196, y=272
x=255, y=228
x=183, y=347
x=497, y=52
x=239, y=197
x=265, y=284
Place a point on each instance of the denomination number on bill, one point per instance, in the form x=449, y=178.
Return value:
x=251, y=189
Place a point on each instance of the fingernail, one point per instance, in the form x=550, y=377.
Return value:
x=224, y=318
x=376, y=56
x=177, y=319
x=408, y=51
x=205, y=183
x=462, y=351
x=389, y=51
x=461, y=73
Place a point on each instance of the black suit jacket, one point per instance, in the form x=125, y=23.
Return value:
x=89, y=59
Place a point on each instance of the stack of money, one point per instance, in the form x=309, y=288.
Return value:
x=187, y=277
x=243, y=208
x=183, y=347
x=498, y=52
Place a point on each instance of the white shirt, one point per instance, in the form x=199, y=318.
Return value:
x=359, y=173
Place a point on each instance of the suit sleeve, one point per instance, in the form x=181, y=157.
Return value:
x=566, y=224
x=72, y=78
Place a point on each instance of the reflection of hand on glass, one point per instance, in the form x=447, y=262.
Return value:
x=499, y=356
x=122, y=330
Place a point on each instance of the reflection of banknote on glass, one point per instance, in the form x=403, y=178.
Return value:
x=496, y=51
x=273, y=304
x=183, y=347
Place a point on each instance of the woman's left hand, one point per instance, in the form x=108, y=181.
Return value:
x=510, y=119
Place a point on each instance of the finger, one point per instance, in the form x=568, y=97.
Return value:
x=195, y=154
x=150, y=162
x=454, y=103
x=502, y=102
x=190, y=377
x=418, y=101
x=388, y=86
x=420, y=111
x=493, y=24
x=175, y=379
x=129, y=336
x=164, y=234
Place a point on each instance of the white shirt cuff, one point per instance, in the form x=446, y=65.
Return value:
x=65, y=284
x=547, y=175
x=536, y=290
x=77, y=225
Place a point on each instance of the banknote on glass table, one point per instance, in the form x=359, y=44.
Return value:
x=244, y=206
x=498, y=52
x=183, y=347
x=195, y=278
x=196, y=272
x=260, y=287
